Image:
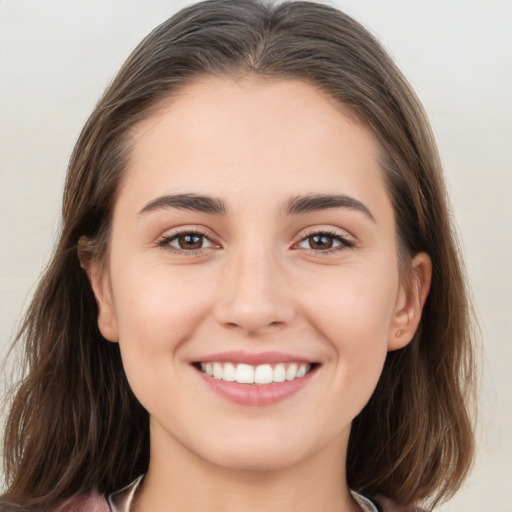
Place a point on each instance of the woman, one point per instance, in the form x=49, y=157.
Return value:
x=256, y=299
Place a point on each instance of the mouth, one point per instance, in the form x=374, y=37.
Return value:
x=255, y=379
x=257, y=375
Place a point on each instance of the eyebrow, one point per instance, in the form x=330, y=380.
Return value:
x=194, y=202
x=295, y=206
x=317, y=202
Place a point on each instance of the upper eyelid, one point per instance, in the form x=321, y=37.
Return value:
x=196, y=230
x=331, y=231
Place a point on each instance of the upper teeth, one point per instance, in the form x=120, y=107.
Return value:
x=261, y=374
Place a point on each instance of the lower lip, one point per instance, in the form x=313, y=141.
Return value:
x=254, y=394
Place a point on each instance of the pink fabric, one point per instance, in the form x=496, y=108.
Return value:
x=85, y=503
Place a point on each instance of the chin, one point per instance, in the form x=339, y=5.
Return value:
x=256, y=461
x=257, y=453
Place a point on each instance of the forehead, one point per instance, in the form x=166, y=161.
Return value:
x=245, y=137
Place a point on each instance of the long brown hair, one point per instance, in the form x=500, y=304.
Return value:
x=74, y=424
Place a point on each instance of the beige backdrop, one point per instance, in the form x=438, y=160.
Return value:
x=57, y=56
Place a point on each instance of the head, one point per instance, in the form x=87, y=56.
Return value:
x=414, y=428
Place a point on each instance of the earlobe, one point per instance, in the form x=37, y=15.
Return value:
x=100, y=283
x=410, y=301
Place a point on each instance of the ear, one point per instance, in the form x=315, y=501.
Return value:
x=100, y=283
x=410, y=301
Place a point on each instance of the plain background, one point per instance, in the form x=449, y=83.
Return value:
x=56, y=57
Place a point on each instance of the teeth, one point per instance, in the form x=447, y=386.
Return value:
x=291, y=373
x=218, y=371
x=261, y=374
x=244, y=374
x=229, y=373
x=301, y=371
x=279, y=373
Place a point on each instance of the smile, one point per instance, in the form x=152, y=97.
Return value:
x=261, y=374
x=255, y=379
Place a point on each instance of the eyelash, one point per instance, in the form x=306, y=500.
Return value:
x=345, y=242
x=166, y=240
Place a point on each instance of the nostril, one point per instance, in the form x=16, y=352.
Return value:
x=253, y=325
x=254, y=305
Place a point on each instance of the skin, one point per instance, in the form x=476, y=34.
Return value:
x=257, y=284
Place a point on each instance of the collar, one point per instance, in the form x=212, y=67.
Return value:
x=121, y=501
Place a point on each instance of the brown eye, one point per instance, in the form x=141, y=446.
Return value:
x=325, y=242
x=320, y=242
x=187, y=242
x=190, y=242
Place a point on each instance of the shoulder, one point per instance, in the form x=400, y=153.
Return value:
x=84, y=503
x=389, y=506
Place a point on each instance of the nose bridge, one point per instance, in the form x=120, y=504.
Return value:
x=255, y=294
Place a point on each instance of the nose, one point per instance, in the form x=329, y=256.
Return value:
x=254, y=295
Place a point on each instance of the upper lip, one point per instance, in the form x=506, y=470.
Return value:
x=252, y=358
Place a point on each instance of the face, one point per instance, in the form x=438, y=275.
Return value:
x=252, y=279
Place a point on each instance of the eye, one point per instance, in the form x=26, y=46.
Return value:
x=325, y=242
x=186, y=241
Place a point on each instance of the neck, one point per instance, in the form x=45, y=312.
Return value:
x=178, y=480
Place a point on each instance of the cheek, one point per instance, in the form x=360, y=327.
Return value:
x=355, y=305
x=157, y=309
x=354, y=318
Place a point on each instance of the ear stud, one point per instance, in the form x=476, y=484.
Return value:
x=399, y=333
